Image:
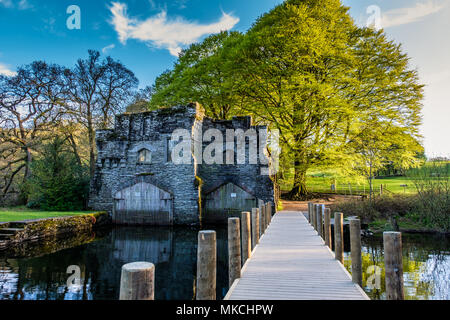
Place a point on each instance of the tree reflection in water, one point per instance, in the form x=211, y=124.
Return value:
x=426, y=266
x=42, y=274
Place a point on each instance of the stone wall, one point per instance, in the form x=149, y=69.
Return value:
x=117, y=165
x=246, y=176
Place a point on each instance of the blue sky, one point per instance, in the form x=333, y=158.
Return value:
x=146, y=35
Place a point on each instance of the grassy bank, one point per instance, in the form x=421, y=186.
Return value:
x=23, y=213
x=400, y=212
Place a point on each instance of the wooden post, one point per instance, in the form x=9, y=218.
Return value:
x=327, y=227
x=255, y=227
x=313, y=215
x=137, y=281
x=316, y=218
x=381, y=190
x=269, y=212
x=206, y=265
x=320, y=209
x=310, y=205
x=262, y=221
x=355, y=245
x=234, y=250
x=339, y=236
x=393, y=265
x=246, y=236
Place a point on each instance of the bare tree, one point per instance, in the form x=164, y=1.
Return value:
x=30, y=106
x=98, y=90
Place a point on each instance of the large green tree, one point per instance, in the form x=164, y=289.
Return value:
x=306, y=69
x=294, y=65
x=201, y=75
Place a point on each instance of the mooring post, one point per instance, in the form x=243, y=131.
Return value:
x=339, y=236
x=309, y=211
x=313, y=215
x=327, y=227
x=137, y=281
x=255, y=227
x=269, y=212
x=320, y=209
x=234, y=250
x=246, y=236
x=316, y=218
x=260, y=215
x=206, y=265
x=262, y=221
x=393, y=265
x=355, y=247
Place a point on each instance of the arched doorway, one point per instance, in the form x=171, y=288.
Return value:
x=227, y=201
x=143, y=204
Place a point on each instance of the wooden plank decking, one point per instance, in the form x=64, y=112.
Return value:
x=292, y=262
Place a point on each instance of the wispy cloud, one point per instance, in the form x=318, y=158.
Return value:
x=401, y=16
x=21, y=5
x=7, y=3
x=4, y=70
x=158, y=30
x=24, y=5
x=107, y=48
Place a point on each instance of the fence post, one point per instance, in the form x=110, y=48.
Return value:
x=339, y=236
x=255, y=227
x=234, y=250
x=381, y=190
x=393, y=265
x=206, y=265
x=137, y=281
x=355, y=246
x=246, y=240
x=327, y=227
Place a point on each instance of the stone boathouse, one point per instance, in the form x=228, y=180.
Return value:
x=138, y=181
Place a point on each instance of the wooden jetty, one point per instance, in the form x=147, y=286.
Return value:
x=292, y=262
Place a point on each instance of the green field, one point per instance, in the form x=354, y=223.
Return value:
x=390, y=185
x=349, y=186
x=23, y=213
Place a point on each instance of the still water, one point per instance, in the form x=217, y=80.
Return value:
x=39, y=271
x=426, y=266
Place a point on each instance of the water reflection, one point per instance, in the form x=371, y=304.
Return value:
x=172, y=250
x=426, y=266
x=38, y=271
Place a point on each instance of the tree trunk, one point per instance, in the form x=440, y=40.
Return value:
x=299, y=191
x=91, y=152
x=91, y=136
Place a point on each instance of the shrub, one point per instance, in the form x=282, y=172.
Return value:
x=58, y=181
x=430, y=213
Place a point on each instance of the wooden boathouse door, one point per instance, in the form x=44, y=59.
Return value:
x=227, y=201
x=143, y=204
